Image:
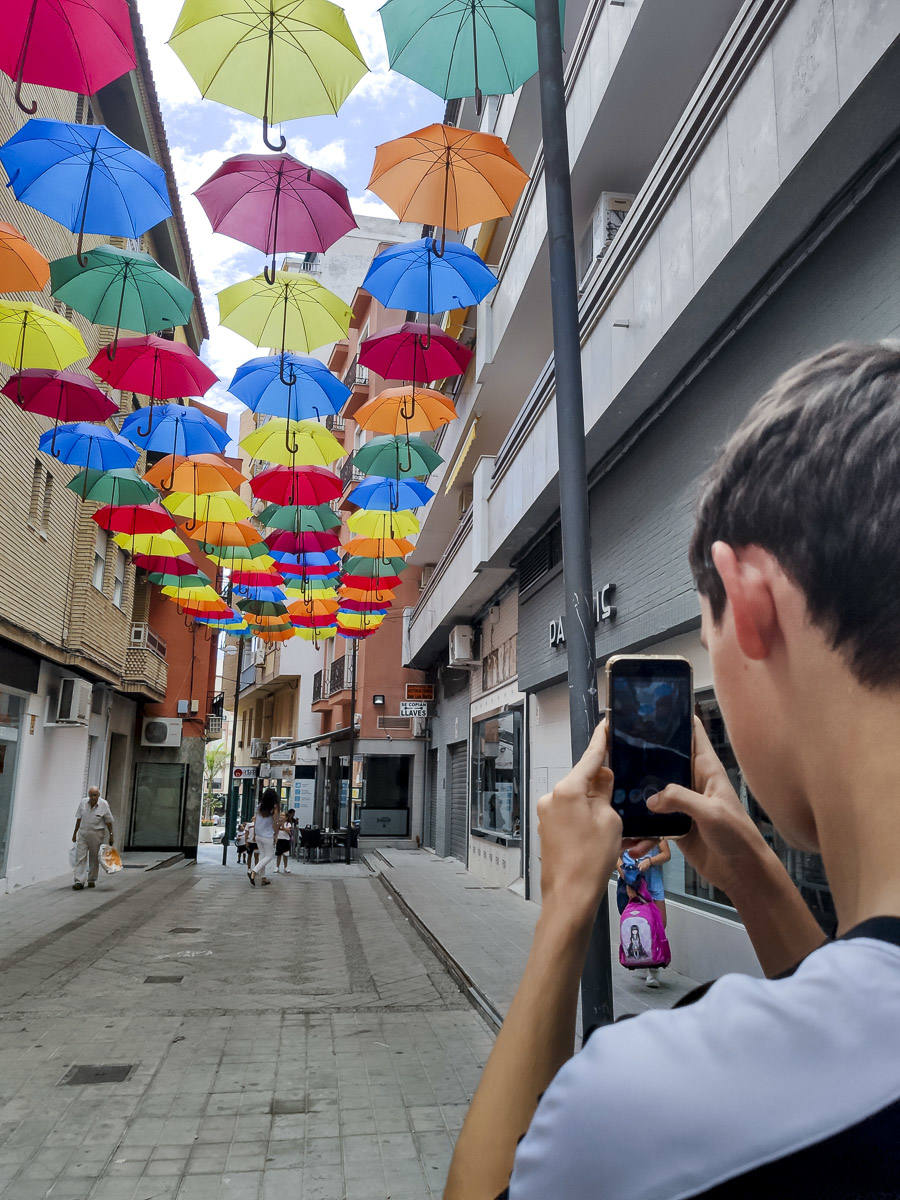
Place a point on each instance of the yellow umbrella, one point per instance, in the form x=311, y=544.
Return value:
x=354, y=620
x=293, y=443
x=196, y=593
x=152, y=544
x=31, y=336
x=376, y=523
x=316, y=635
x=210, y=506
x=324, y=594
x=234, y=560
x=295, y=312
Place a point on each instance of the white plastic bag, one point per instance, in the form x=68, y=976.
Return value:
x=110, y=859
x=73, y=854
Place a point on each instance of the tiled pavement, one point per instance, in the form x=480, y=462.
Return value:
x=314, y=1049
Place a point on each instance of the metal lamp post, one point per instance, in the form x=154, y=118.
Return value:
x=231, y=806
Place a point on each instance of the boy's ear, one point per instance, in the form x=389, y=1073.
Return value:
x=749, y=594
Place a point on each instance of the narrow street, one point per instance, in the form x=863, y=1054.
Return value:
x=296, y=1041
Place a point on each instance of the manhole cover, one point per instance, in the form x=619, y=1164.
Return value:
x=289, y=1107
x=164, y=979
x=78, y=1076
x=185, y=929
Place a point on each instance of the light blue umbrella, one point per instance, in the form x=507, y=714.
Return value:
x=86, y=445
x=173, y=429
x=311, y=390
x=415, y=277
x=392, y=495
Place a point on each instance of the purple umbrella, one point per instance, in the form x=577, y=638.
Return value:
x=275, y=203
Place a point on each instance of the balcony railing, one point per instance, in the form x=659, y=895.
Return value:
x=317, y=686
x=334, y=423
x=340, y=675
x=309, y=266
x=355, y=375
x=143, y=637
x=349, y=473
x=217, y=705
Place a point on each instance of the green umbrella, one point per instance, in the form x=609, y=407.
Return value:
x=374, y=567
x=235, y=553
x=183, y=581
x=122, y=288
x=299, y=518
x=263, y=608
x=120, y=486
x=396, y=457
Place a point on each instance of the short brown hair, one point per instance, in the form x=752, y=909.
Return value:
x=813, y=476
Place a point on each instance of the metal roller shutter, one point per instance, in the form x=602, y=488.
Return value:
x=431, y=802
x=457, y=776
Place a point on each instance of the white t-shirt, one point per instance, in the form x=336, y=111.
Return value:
x=265, y=826
x=239, y=836
x=94, y=818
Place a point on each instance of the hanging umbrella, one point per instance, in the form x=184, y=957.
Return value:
x=314, y=620
x=276, y=203
x=392, y=494
x=414, y=351
x=412, y=275
x=233, y=534
x=86, y=445
x=22, y=268
x=133, y=518
x=60, y=395
x=86, y=178
x=77, y=45
x=311, y=589
x=158, y=579
x=379, y=524
x=298, y=543
x=31, y=336
x=404, y=410
x=377, y=589
x=311, y=391
x=314, y=635
x=154, y=545
x=396, y=457
x=177, y=429
x=199, y=473
x=208, y=506
x=179, y=565
x=155, y=367
x=295, y=573
x=363, y=606
x=447, y=177
x=379, y=547
x=372, y=568
x=297, y=485
x=313, y=608
x=273, y=594
x=227, y=556
x=121, y=485
x=290, y=442
x=125, y=289
x=355, y=620
x=275, y=59
x=299, y=518
x=375, y=583
x=459, y=48
x=263, y=608
x=256, y=579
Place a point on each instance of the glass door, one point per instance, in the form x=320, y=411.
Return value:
x=158, y=814
x=11, y=708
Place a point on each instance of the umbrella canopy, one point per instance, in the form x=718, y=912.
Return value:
x=311, y=589
x=69, y=44
x=393, y=494
x=299, y=518
x=374, y=523
x=227, y=556
x=263, y=608
x=133, y=518
x=405, y=410
x=313, y=608
x=275, y=59
x=200, y=473
x=294, y=313
x=126, y=289
x=295, y=571
x=414, y=351
x=275, y=203
x=210, y=506
x=160, y=579
x=379, y=547
x=355, y=587
x=31, y=336
x=356, y=620
x=315, y=635
x=22, y=268
x=86, y=178
x=373, y=568
x=297, y=485
x=171, y=427
x=313, y=620
x=256, y=579
x=121, y=485
x=377, y=596
x=233, y=534
x=60, y=395
x=311, y=391
x=154, y=545
x=153, y=366
x=166, y=564
x=298, y=543
x=290, y=442
x=86, y=445
x=458, y=48
x=396, y=457
x=441, y=175
x=274, y=594
x=414, y=275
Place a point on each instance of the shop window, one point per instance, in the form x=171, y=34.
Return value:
x=497, y=776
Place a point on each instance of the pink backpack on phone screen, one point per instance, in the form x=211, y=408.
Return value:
x=642, y=936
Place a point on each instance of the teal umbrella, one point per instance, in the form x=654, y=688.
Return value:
x=395, y=457
x=299, y=518
x=463, y=47
x=374, y=567
x=122, y=485
x=159, y=579
x=125, y=289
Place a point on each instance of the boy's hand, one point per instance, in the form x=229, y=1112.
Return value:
x=581, y=835
x=723, y=844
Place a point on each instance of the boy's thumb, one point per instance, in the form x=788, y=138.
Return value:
x=675, y=798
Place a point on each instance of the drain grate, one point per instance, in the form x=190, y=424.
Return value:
x=289, y=1107
x=78, y=1076
x=164, y=979
x=185, y=929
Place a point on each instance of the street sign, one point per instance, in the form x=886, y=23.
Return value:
x=413, y=708
x=419, y=691
x=245, y=772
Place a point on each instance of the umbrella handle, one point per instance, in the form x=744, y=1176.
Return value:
x=440, y=253
x=269, y=57
x=479, y=98
x=82, y=260
x=405, y=469
x=292, y=378
x=408, y=416
x=277, y=147
x=290, y=443
x=146, y=432
x=270, y=278
x=30, y=109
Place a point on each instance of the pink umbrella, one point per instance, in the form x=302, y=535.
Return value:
x=77, y=45
x=302, y=543
x=61, y=395
x=414, y=351
x=275, y=203
x=154, y=367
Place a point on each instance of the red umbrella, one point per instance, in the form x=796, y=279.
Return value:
x=297, y=485
x=166, y=564
x=152, y=366
x=76, y=45
x=273, y=202
x=61, y=395
x=324, y=621
x=299, y=543
x=364, y=583
x=256, y=579
x=414, y=351
x=133, y=518
x=362, y=606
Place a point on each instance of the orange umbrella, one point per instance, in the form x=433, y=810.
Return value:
x=263, y=621
x=359, y=594
x=22, y=268
x=379, y=547
x=225, y=533
x=446, y=176
x=206, y=606
x=198, y=474
x=276, y=637
x=407, y=410
x=316, y=608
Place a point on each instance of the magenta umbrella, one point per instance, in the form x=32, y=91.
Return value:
x=275, y=203
x=76, y=45
x=61, y=395
x=414, y=351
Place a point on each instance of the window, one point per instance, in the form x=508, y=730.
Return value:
x=47, y=502
x=119, y=579
x=496, y=775
x=37, y=480
x=101, y=542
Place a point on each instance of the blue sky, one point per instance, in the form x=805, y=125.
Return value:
x=203, y=133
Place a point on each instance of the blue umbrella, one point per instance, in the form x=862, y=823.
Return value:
x=312, y=558
x=84, y=444
x=415, y=277
x=174, y=429
x=307, y=390
x=389, y=494
x=274, y=594
x=86, y=178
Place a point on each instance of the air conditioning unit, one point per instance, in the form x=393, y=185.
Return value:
x=604, y=225
x=259, y=747
x=462, y=646
x=162, y=732
x=72, y=702
x=276, y=754
x=397, y=724
x=213, y=725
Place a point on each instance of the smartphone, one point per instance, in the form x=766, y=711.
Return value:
x=650, y=702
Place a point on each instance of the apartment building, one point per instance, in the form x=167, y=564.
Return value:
x=735, y=184
x=86, y=659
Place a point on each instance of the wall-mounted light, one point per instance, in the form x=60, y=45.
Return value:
x=623, y=324
x=378, y=700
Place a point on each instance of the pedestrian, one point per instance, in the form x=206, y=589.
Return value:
x=93, y=827
x=266, y=824
x=240, y=840
x=250, y=847
x=796, y=558
x=649, y=863
x=283, y=842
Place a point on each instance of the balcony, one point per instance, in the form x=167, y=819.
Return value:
x=317, y=686
x=146, y=672
x=355, y=375
x=349, y=473
x=335, y=424
x=340, y=675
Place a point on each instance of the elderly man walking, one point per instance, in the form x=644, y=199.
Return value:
x=93, y=826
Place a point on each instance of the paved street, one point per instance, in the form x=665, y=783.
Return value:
x=295, y=1041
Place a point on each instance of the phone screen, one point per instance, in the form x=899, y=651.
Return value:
x=651, y=706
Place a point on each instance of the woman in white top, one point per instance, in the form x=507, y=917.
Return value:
x=266, y=824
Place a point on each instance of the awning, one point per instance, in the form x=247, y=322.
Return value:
x=461, y=456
